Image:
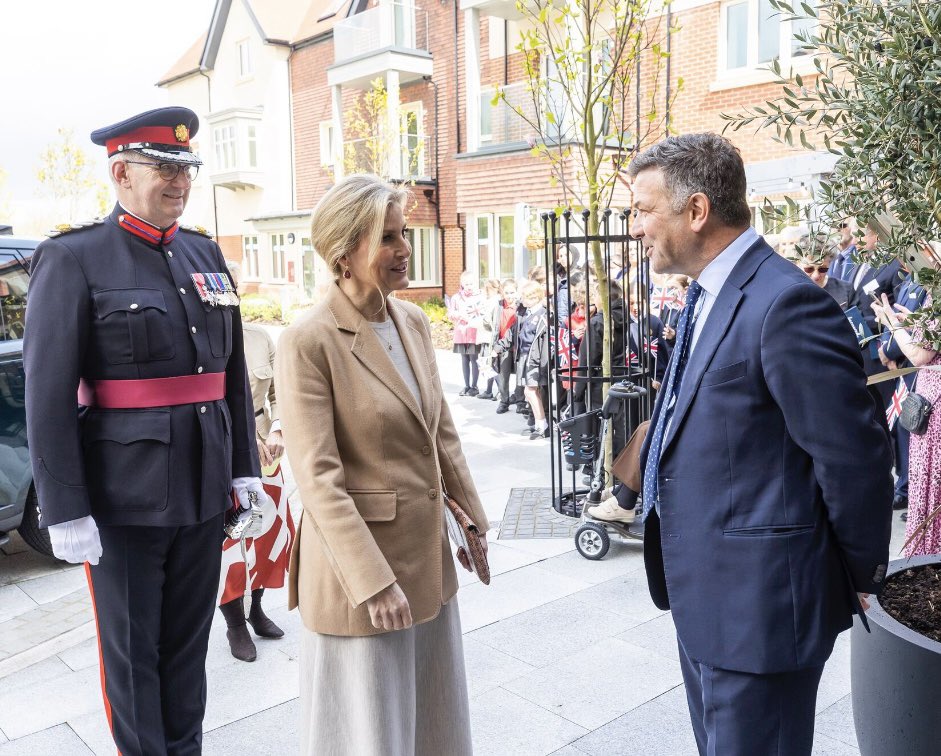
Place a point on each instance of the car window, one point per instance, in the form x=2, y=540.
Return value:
x=13, y=282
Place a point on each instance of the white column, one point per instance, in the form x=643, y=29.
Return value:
x=336, y=92
x=472, y=76
x=393, y=125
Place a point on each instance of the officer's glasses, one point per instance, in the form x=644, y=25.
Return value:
x=169, y=171
x=810, y=269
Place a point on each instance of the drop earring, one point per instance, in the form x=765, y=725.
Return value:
x=347, y=274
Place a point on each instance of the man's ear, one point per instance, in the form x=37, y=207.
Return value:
x=120, y=173
x=699, y=209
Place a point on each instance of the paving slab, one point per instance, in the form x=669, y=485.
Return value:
x=94, y=731
x=488, y=667
x=826, y=746
x=621, y=560
x=836, y=722
x=14, y=602
x=55, y=585
x=238, y=689
x=272, y=732
x=627, y=595
x=81, y=656
x=510, y=725
x=657, y=635
x=603, y=681
x=651, y=729
x=512, y=593
x=835, y=683
x=58, y=740
x=68, y=695
x=551, y=632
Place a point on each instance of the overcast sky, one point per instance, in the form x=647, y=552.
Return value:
x=82, y=64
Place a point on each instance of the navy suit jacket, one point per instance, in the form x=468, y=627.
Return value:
x=775, y=501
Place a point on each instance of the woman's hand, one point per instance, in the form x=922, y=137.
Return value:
x=891, y=316
x=464, y=558
x=389, y=609
x=275, y=444
x=264, y=456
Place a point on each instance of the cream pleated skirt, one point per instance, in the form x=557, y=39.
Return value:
x=401, y=693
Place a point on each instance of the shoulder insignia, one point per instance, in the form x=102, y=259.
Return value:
x=196, y=230
x=65, y=228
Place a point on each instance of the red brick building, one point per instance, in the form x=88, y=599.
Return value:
x=477, y=189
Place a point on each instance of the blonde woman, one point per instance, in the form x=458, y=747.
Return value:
x=372, y=443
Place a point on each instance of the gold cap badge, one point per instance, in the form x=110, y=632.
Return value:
x=181, y=133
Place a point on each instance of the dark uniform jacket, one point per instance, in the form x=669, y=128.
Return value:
x=911, y=295
x=106, y=304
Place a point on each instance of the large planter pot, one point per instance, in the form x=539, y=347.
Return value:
x=896, y=678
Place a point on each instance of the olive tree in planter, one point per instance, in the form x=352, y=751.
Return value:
x=874, y=100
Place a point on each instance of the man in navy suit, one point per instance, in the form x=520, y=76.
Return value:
x=767, y=504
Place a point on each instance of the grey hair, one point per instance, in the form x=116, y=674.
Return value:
x=815, y=247
x=353, y=211
x=700, y=163
x=123, y=157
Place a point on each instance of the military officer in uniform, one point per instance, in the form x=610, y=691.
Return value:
x=136, y=318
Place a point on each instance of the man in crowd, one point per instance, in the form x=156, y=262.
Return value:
x=136, y=317
x=816, y=260
x=767, y=504
x=846, y=248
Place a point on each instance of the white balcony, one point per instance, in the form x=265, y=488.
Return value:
x=500, y=122
x=499, y=8
x=390, y=37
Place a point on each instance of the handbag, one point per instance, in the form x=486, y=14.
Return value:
x=916, y=413
x=466, y=537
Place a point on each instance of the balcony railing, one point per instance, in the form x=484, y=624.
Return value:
x=392, y=24
x=500, y=120
x=369, y=155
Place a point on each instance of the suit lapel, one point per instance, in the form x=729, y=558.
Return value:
x=370, y=351
x=718, y=322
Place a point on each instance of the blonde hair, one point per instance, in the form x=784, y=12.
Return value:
x=353, y=211
x=532, y=293
x=537, y=273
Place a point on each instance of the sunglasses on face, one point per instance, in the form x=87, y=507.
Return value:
x=844, y=225
x=810, y=269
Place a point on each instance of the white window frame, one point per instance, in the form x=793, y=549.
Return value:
x=488, y=219
x=279, y=256
x=243, y=52
x=225, y=141
x=327, y=157
x=754, y=71
x=233, y=141
x=422, y=236
x=250, y=258
x=418, y=110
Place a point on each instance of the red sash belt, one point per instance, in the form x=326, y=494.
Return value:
x=152, y=392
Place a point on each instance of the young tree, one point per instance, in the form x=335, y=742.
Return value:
x=875, y=102
x=65, y=173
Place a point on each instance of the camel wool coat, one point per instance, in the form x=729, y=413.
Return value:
x=369, y=464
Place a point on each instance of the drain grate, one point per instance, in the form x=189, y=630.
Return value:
x=529, y=514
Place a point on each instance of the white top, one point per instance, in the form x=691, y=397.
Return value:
x=391, y=341
x=713, y=278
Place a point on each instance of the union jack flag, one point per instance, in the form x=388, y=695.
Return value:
x=679, y=300
x=661, y=298
x=894, y=410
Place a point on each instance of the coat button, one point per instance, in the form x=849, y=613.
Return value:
x=193, y=329
x=169, y=253
x=134, y=306
x=182, y=291
x=199, y=369
x=426, y=450
x=202, y=410
x=432, y=493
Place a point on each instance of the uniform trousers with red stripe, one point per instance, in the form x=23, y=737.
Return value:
x=154, y=593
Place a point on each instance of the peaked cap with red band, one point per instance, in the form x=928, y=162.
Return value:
x=163, y=134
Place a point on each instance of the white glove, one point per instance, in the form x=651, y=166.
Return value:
x=242, y=488
x=76, y=541
x=246, y=521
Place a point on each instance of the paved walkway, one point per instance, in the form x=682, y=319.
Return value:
x=565, y=656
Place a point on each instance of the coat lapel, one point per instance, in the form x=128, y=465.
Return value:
x=714, y=330
x=368, y=349
x=415, y=349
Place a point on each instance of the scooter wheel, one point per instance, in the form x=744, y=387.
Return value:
x=592, y=541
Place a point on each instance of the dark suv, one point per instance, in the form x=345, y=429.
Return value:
x=18, y=506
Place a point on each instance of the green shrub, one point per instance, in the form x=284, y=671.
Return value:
x=257, y=308
x=435, y=310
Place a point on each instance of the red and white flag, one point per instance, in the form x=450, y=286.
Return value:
x=894, y=410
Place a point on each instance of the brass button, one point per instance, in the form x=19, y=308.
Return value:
x=182, y=291
x=193, y=329
x=134, y=306
x=202, y=410
x=169, y=253
x=432, y=493
x=199, y=369
x=426, y=450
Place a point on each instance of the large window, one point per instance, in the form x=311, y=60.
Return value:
x=413, y=141
x=279, y=265
x=484, y=245
x=236, y=142
x=226, y=147
x=756, y=34
x=423, y=267
x=506, y=227
x=250, y=257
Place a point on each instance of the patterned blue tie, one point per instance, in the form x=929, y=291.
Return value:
x=684, y=334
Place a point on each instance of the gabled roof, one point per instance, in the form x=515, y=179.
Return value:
x=286, y=22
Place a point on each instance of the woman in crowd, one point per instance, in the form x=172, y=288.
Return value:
x=503, y=346
x=924, y=452
x=266, y=554
x=533, y=360
x=466, y=310
x=373, y=446
x=485, y=337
